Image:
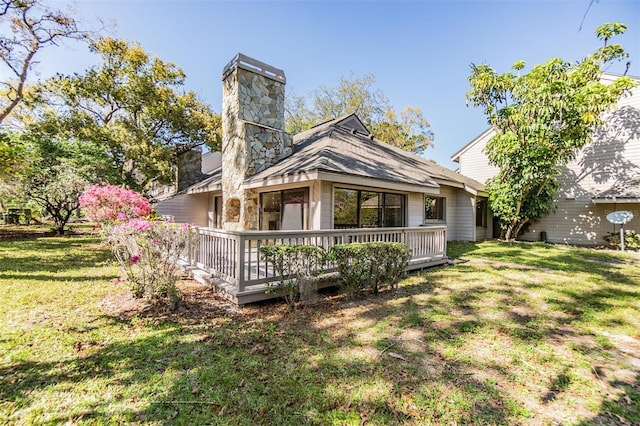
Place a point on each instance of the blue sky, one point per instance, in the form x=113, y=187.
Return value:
x=418, y=51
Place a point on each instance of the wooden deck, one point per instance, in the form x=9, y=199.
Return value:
x=230, y=260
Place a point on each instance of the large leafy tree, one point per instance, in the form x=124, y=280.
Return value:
x=541, y=119
x=133, y=107
x=27, y=27
x=55, y=173
x=408, y=130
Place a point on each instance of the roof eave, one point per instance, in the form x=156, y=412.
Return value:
x=209, y=188
x=351, y=179
x=283, y=179
x=365, y=181
x=470, y=189
x=456, y=157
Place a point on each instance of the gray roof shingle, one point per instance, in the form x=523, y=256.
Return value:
x=345, y=146
x=332, y=147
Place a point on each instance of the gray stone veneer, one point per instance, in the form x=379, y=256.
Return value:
x=253, y=139
x=189, y=165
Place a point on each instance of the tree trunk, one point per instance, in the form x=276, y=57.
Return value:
x=520, y=225
x=59, y=227
x=508, y=233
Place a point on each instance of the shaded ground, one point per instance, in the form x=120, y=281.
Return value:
x=13, y=232
x=522, y=334
x=198, y=303
x=38, y=230
x=615, y=374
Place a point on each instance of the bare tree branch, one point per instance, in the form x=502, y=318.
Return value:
x=27, y=28
x=586, y=12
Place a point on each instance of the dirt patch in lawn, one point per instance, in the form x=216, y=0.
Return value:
x=198, y=303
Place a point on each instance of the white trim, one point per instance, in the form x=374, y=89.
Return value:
x=615, y=200
x=442, y=221
x=455, y=157
x=282, y=180
x=338, y=185
x=378, y=183
x=209, y=188
x=342, y=178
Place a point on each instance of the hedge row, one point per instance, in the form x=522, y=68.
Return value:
x=360, y=266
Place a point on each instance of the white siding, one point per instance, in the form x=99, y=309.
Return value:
x=315, y=205
x=474, y=162
x=612, y=158
x=415, y=209
x=581, y=223
x=459, y=213
x=326, y=201
x=450, y=211
x=465, y=216
x=186, y=208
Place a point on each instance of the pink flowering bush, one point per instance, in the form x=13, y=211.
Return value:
x=106, y=204
x=147, y=252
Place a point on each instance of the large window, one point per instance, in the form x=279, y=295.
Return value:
x=286, y=210
x=355, y=208
x=434, y=208
x=481, y=213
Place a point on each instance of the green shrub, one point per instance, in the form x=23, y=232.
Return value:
x=631, y=240
x=369, y=265
x=295, y=266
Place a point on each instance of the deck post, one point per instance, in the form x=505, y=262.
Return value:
x=240, y=239
x=444, y=242
x=190, y=248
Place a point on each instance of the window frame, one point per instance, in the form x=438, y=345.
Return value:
x=441, y=209
x=382, y=207
x=482, y=205
x=305, y=209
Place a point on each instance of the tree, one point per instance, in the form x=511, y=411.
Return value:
x=57, y=193
x=131, y=105
x=541, y=120
x=56, y=172
x=12, y=160
x=27, y=27
x=356, y=95
x=11, y=154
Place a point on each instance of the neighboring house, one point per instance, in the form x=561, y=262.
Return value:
x=604, y=177
x=333, y=176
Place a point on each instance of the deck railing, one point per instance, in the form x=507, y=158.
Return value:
x=235, y=256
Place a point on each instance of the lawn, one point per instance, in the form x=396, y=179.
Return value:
x=509, y=334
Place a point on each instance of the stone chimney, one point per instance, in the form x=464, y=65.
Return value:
x=253, y=136
x=189, y=165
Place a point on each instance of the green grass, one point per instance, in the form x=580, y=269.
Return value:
x=513, y=334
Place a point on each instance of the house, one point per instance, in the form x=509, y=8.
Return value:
x=333, y=182
x=603, y=178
